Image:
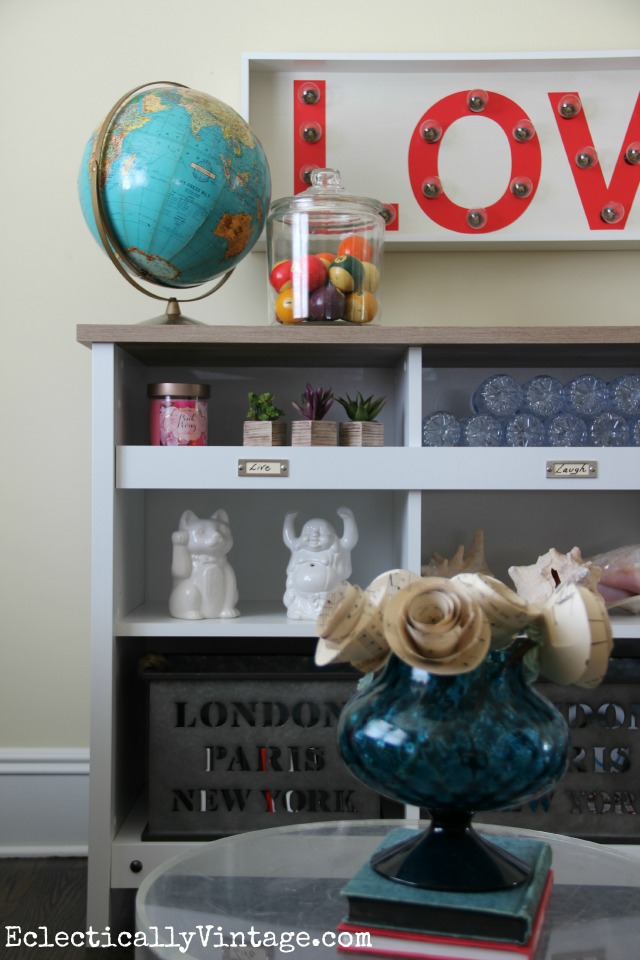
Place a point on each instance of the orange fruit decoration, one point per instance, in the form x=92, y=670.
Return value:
x=360, y=307
x=355, y=246
x=326, y=257
x=284, y=308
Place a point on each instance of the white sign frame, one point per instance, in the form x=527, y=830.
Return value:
x=373, y=105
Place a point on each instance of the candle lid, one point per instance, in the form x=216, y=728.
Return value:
x=200, y=390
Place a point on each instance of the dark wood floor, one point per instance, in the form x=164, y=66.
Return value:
x=50, y=893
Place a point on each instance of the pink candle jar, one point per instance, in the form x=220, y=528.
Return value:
x=178, y=414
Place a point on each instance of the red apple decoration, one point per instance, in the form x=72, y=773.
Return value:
x=280, y=276
x=309, y=272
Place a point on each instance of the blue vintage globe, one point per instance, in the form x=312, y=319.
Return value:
x=184, y=185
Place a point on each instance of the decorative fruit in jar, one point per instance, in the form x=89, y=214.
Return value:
x=325, y=255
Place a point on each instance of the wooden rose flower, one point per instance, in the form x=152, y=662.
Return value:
x=448, y=626
x=575, y=637
x=437, y=624
x=506, y=611
x=350, y=626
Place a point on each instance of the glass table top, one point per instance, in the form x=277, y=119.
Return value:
x=286, y=883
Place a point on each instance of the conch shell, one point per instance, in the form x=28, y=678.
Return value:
x=537, y=582
x=472, y=560
x=437, y=625
x=620, y=580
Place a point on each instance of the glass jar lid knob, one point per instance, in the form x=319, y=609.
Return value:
x=326, y=178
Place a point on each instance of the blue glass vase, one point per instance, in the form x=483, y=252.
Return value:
x=456, y=745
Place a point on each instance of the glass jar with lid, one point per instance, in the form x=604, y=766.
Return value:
x=178, y=414
x=324, y=254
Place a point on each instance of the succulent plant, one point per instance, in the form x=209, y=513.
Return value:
x=262, y=407
x=314, y=404
x=362, y=408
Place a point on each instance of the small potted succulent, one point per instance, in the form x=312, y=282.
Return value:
x=261, y=428
x=362, y=429
x=313, y=430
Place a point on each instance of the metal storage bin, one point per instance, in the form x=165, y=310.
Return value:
x=599, y=796
x=244, y=743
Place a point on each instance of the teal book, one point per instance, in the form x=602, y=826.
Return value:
x=499, y=915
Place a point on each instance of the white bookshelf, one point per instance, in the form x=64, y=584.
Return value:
x=406, y=499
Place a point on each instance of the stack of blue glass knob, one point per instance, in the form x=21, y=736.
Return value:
x=585, y=411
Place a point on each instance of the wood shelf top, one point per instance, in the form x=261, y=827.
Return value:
x=353, y=345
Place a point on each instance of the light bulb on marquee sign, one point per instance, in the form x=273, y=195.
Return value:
x=606, y=205
x=521, y=187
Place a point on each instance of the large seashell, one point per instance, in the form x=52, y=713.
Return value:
x=435, y=624
x=620, y=580
x=507, y=612
x=537, y=582
x=576, y=637
x=471, y=561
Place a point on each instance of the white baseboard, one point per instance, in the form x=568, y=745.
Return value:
x=44, y=801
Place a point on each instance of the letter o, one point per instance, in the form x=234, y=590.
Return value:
x=295, y=801
x=526, y=161
x=610, y=716
x=306, y=713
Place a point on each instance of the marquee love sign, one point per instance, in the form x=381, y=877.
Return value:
x=510, y=150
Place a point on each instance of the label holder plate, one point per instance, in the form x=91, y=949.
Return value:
x=572, y=469
x=257, y=467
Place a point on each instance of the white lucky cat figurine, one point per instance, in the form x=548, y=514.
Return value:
x=204, y=584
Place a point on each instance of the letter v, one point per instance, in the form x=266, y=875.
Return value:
x=592, y=188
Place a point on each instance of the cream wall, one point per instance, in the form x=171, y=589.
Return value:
x=62, y=64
